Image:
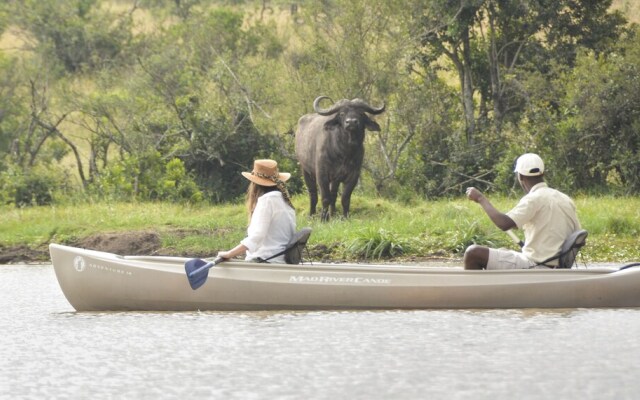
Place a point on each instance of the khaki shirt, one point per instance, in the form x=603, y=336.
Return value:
x=547, y=217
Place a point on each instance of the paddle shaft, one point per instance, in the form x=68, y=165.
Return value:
x=515, y=238
x=206, y=266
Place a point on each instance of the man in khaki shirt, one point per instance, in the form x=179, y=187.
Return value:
x=546, y=215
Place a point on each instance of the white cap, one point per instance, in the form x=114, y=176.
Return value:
x=529, y=164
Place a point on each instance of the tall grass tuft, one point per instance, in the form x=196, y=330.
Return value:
x=467, y=234
x=622, y=226
x=376, y=244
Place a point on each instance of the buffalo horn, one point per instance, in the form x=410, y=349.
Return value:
x=367, y=108
x=322, y=111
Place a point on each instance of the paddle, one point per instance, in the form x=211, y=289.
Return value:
x=515, y=238
x=198, y=270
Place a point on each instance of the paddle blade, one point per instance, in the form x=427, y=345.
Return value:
x=197, y=271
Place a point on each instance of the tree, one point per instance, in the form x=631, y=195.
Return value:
x=599, y=135
x=494, y=44
x=79, y=34
x=448, y=32
x=199, y=102
x=11, y=108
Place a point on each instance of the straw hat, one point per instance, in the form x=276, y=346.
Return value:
x=265, y=173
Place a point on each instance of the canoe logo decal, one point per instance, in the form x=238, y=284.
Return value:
x=79, y=264
x=332, y=279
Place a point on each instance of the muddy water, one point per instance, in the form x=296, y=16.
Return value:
x=50, y=351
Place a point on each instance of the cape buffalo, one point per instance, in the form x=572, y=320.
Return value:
x=329, y=147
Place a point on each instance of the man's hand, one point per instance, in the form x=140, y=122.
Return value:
x=474, y=194
x=502, y=221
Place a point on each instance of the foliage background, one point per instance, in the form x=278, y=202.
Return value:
x=166, y=100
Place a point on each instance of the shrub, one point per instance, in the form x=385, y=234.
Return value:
x=32, y=187
x=147, y=177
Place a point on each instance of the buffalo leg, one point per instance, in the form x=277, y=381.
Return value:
x=325, y=194
x=310, y=180
x=345, y=200
x=333, y=191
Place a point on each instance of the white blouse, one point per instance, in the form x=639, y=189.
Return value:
x=272, y=225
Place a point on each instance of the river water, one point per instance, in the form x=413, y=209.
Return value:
x=49, y=351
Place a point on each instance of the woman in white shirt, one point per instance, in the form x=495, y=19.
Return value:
x=272, y=218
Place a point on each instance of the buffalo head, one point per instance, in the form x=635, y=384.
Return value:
x=350, y=116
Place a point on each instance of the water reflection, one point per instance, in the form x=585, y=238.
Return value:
x=50, y=351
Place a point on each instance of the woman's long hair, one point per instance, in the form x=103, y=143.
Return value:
x=254, y=191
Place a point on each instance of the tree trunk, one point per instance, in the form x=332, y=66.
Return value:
x=467, y=87
x=494, y=74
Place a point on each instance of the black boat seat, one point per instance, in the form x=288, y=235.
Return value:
x=293, y=251
x=570, y=247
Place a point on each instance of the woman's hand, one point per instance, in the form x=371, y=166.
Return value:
x=225, y=254
x=236, y=251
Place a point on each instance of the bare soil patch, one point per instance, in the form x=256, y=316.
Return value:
x=125, y=243
x=22, y=254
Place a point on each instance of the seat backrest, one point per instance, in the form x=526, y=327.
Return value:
x=293, y=253
x=571, y=247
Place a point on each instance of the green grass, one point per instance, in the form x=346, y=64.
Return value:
x=377, y=229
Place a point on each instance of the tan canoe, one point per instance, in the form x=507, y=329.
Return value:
x=94, y=281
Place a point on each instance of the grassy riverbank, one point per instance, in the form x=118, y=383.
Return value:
x=377, y=229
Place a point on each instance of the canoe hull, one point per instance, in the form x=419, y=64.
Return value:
x=99, y=281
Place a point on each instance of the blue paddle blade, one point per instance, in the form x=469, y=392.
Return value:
x=197, y=272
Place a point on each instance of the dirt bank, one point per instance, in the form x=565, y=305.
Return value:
x=137, y=242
